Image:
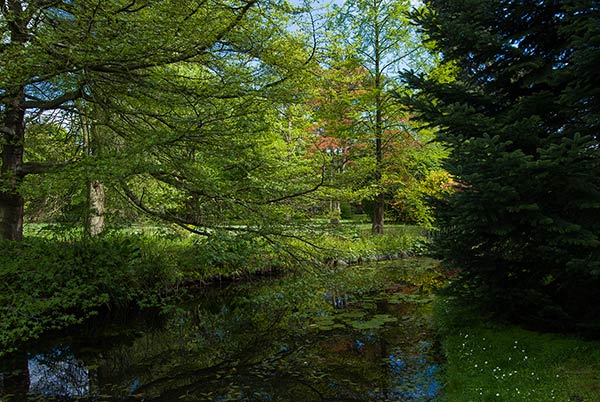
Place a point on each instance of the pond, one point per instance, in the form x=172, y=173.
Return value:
x=353, y=334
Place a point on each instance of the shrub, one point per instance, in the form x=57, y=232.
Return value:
x=51, y=284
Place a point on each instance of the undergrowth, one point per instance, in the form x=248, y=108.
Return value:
x=354, y=244
x=52, y=284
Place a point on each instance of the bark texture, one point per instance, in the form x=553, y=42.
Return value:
x=378, y=212
x=11, y=202
x=13, y=133
x=95, y=221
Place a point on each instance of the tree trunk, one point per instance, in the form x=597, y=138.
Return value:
x=378, y=210
x=11, y=202
x=11, y=216
x=95, y=219
x=335, y=212
x=94, y=224
x=379, y=207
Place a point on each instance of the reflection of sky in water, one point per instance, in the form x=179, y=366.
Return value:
x=414, y=378
x=58, y=373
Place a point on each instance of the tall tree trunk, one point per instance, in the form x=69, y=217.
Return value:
x=11, y=202
x=335, y=212
x=379, y=206
x=11, y=216
x=94, y=224
x=378, y=211
x=95, y=218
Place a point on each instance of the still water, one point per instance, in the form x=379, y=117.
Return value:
x=353, y=334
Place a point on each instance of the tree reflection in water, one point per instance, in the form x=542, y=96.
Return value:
x=288, y=339
x=58, y=373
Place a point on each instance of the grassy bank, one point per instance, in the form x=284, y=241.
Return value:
x=354, y=242
x=494, y=362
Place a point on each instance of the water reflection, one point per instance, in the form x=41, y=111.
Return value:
x=412, y=377
x=285, y=340
x=58, y=373
x=14, y=378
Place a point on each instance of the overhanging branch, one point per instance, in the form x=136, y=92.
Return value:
x=301, y=193
x=138, y=202
x=125, y=67
x=54, y=103
x=40, y=167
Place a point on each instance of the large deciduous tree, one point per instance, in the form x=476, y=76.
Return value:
x=522, y=120
x=340, y=104
x=378, y=35
x=178, y=88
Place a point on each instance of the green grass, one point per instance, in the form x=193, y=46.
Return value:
x=389, y=228
x=351, y=240
x=493, y=362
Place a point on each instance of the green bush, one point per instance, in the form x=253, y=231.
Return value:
x=52, y=284
x=230, y=254
x=346, y=210
x=415, y=204
x=352, y=243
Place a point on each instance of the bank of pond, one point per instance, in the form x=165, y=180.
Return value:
x=371, y=332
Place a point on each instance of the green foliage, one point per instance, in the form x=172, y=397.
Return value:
x=232, y=255
x=521, y=120
x=187, y=124
x=367, y=134
x=49, y=284
x=413, y=205
x=346, y=210
x=486, y=362
x=353, y=244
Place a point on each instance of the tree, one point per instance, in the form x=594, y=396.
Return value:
x=408, y=155
x=378, y=33
x=337, y=104
x=158, y=85
x=522, y=121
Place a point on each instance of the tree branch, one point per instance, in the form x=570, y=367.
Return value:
x=311, y=190
x=54, y=103
x=137, y=201
x=40, y=167
x=183, y=56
